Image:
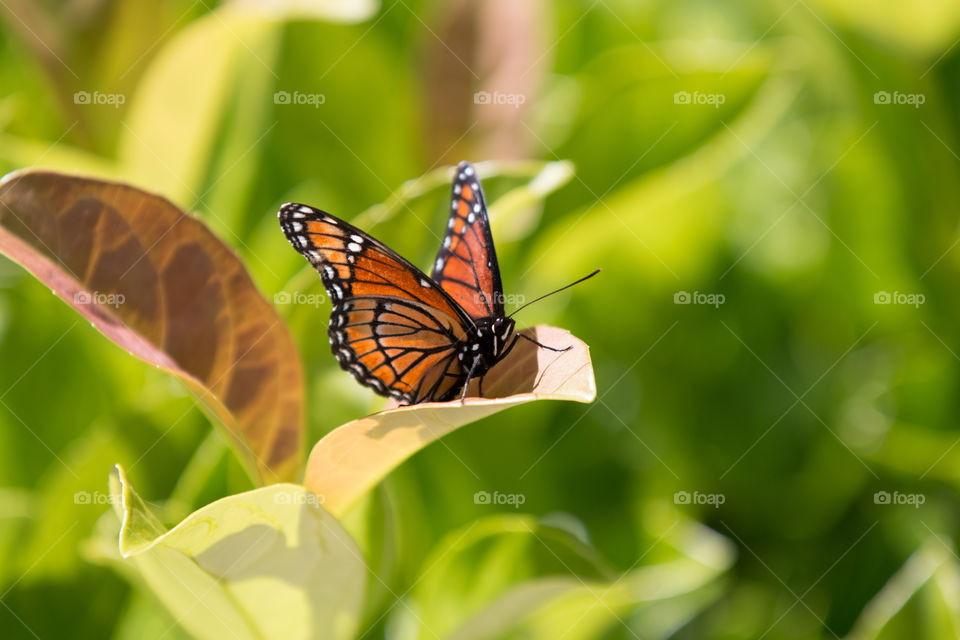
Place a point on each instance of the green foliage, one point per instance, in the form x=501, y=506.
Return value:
x=799, y=399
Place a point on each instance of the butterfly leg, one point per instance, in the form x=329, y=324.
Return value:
x=466, y=382
x=543, y=346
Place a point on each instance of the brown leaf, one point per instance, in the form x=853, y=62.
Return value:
x=159, y=284
x=353, y=458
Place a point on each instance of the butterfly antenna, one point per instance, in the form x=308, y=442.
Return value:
x=523, y=306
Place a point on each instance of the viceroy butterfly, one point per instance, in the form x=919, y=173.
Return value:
x=406, y=335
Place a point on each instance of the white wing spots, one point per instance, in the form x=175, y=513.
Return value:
x=475, y=347
x=424, y=283
x=450, y=223
x=337, y=292
x=476, y=207
x=296, y=215
x=302, y=241
x=453, y=205
x=446, y=242
x=356, y=238
x=329, y=272
x=314, y=256
x=296, y=226
x=353, y=246
x=471, y=218
x=457, y=189
x=475, y=187
x=305, y=210
x=351, y=258
x=468, y=170
x=439, y=264
x=461, y=176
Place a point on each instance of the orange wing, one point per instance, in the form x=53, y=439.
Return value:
x=397, y=348
x=392, y=327
x=466, y=265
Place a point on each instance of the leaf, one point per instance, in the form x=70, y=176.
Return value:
x=931, y=572
x=922, y=33
x=511, y=576
x=268, y=563
x=176, y=120
x=354, y=457
x=160, y=285
x=670, y=211
x=332, y=10
x=170, y=132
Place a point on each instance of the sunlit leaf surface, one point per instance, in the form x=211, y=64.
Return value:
x=269, y=563
x=354, y=457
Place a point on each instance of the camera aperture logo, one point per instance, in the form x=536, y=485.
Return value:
x=512, y=499
x=299, y=297
x=912, y=99
x=95, y=297
x=498, y=97
x=312, y=99
x=712, y=99
x=698, y=297
x=712, y=499
x=96, y=98
x=897, y=498
x=898, y=297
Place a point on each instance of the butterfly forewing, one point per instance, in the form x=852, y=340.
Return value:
x=466, y=265
x=392, y=327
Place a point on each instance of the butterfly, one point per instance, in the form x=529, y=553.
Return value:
x=406, y=335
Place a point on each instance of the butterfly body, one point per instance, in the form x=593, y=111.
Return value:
x=487, y=345
x=406, y=335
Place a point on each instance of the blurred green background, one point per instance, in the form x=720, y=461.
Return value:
x=789, y=169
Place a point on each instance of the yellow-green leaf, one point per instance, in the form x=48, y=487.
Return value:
x=268, y=563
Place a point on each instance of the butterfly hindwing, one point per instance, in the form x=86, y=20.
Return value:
x=466, y=265
x=391, y=327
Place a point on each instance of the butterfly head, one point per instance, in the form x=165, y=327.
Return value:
x=487, y=344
